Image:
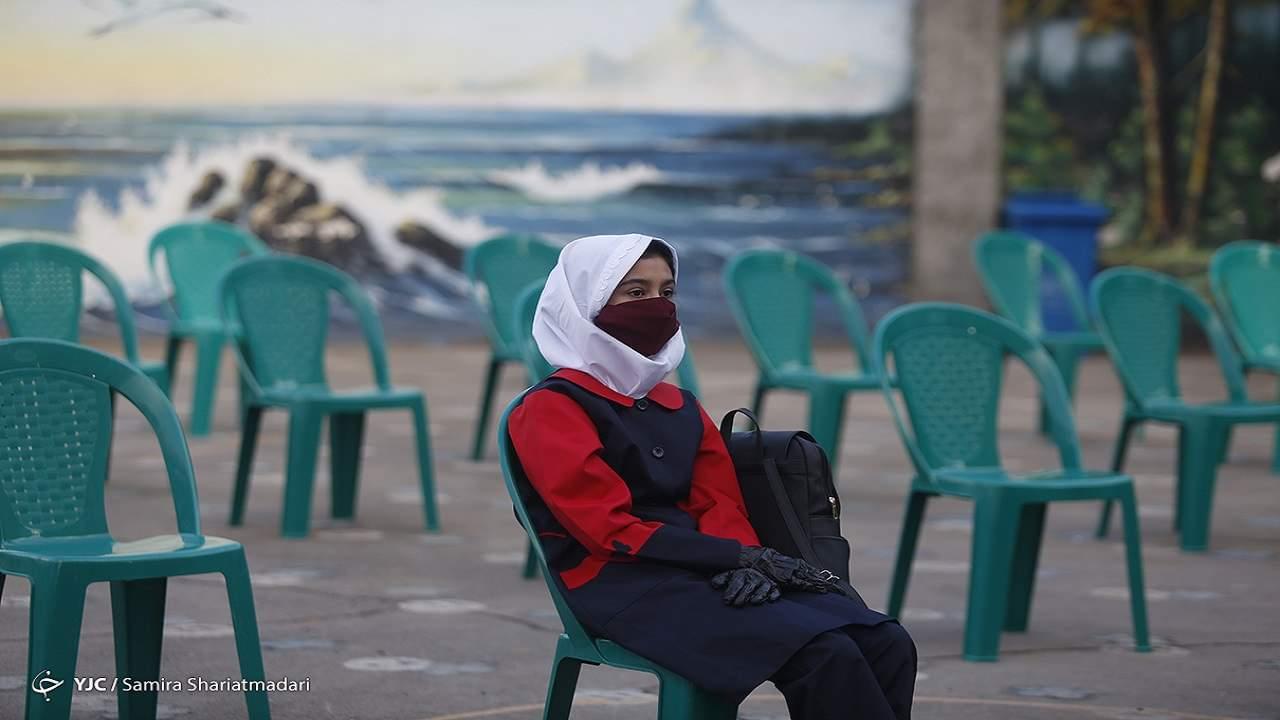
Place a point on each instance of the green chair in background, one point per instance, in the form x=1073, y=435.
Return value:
x=771, y=294
x=499, y=268
x=42, y=295
x=948, y=361
x=1013, y=267
x=678, y=699
x=55, y=427
x=195, y=256
x=281, y=305
x=1245, y=280
x=1139, y=313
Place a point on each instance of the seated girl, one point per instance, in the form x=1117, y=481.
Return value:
x=635, y=500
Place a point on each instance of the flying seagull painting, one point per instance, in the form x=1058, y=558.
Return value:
x=135, y=13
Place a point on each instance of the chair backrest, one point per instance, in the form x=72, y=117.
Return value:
x=42, y=293
x=526, y=307
x=499, y=269
x=282, y=304
x=771, y=294
x=55, y=432
x=949, y=363
x=511, y=470
x=1139, y=315
x=196, y=254
x=1012, y=266
x=1244, y=277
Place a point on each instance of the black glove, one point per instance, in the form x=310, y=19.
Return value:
x=746, y=586
x=786, y=571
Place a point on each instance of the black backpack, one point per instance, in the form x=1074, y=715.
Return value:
x=790, y=495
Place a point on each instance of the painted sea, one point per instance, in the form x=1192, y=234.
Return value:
x=714, y=185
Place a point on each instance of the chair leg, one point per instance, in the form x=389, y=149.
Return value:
x=910, y=533
x=244, y=621
x=995, y=530
x=426, y=476
x=757, y=399
x=1133, y=558
x=252, y=422
x=111, y=438
x=300, y=470
x=137, y=615
x=826, y=420
x=1066, y=360
x=172, y=350
x=564, y=680
x=57, y=610
x=1026, y=558
x=530, y=564
x=204, y=397
x=1275, y=453
x=346, y=435
x=1118, y=455
x=1197, y=475
x=491, y=377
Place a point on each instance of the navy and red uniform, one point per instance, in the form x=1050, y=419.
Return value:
x=637, y=504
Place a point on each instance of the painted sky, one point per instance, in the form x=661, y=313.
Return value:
x=175, y=52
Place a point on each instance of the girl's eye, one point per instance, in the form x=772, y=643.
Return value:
x=669, y=292
x=635, y=292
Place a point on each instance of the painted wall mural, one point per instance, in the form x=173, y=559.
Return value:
x=1165, y=111
x=386, y=136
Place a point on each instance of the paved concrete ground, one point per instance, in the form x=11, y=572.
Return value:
x=390, y=622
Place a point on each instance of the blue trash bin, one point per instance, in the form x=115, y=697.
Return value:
x=1069, y=225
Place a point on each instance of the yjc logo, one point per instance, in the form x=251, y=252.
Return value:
x=44, y=683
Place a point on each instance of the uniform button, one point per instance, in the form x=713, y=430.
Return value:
x=658, y=452
x=642, y=404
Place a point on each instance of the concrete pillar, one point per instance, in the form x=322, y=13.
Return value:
x=959, y=60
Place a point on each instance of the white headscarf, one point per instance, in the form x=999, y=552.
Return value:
x=587, y=273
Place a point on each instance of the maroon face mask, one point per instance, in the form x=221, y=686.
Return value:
x=642, y=325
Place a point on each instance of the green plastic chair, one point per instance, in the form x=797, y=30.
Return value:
x=948, y=360
x=678, y=699
x=1245, y=280
x=1013, y=266
x=42, y=294
x=771, y=295
x=499, y=268
x=1139, y=313
x=195, y=256
x=281, y=304
x=55, y=425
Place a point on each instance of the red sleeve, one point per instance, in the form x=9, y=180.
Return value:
x=716, y=497
x=559, y=450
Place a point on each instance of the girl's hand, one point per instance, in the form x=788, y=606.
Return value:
x=786, y=571
x=745, y=586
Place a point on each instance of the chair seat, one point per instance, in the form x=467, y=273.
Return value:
x=1050, y=484
x=1074, y=340
x=201, y=326
x=154, y=556
x=1240, y=412
x=809, y=378
x=327, y=398
x=153, y=370
x=1271, y=365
